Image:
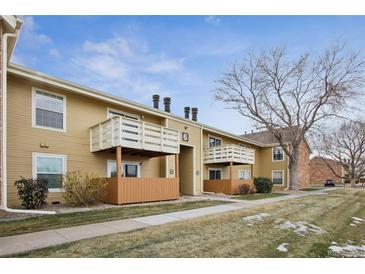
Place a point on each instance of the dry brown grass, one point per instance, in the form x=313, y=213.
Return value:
x=227, y=235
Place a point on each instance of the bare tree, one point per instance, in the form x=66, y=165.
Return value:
x=345, y=145
x=278, y=92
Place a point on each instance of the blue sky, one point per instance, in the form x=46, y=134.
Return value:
x=177, y=56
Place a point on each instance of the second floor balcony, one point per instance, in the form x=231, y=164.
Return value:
x=134, y=134
x=229, y=153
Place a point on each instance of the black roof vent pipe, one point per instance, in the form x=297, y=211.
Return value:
x=167, y=103
x=194, y=113
x=187, y=112
x=155, y=100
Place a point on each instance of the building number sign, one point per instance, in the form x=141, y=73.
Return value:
x=185, y=136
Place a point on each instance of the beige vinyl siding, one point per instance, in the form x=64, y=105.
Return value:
x=82, y=112
x=266, y=165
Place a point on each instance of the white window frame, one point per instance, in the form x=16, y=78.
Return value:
x=215, y=137
x=272, y=154
x=244, y=170
x=282, y=172
x=48, y=155
x=108, y=167
x=34, y=120
x=123, y=113
x=221, y=169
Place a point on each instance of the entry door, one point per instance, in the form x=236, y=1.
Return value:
x=186, y=170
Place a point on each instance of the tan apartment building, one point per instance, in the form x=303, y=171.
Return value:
x=145, y=153
x=279, y=160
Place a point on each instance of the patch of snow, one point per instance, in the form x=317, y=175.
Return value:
x=356, y=221
x=257, y=217
x=347, y=251
x=302, y=228
x=333, y=243
x=282, y=247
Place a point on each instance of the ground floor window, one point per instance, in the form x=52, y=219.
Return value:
x=215, y=174
x=278, y=177
x=49, y=167
x=245, y=174
x=129, y=169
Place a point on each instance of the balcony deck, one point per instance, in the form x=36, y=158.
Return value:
x=134, y=134
x=229, y=153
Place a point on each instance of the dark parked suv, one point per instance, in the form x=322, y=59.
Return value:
x=329, y=183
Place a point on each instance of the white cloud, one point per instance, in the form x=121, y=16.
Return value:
x=126, y=67
x=212, y=20
x=115, y=46
x=165, y=66
x=30, y=34
x=102, y=65
x=54, y=53
x=31, y=43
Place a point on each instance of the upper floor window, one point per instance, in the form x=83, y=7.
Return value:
x=214, y=141
x=113, y=112
x=49, y=110
x=277, y=154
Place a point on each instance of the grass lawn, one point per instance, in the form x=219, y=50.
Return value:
x=95, y=216
x=228, y=235
x=258, y=196
x=311, y=189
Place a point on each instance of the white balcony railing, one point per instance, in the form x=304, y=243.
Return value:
x=229, y=153
x=125, y=132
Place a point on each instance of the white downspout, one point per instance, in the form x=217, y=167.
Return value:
x=4, y=186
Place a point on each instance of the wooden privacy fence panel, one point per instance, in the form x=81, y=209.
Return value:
x=138, y=190
x=229, y=153
x=226, y=186
x=125, y=132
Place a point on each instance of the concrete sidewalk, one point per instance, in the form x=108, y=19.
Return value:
x=26, y=242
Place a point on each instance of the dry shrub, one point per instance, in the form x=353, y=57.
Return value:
x=32, y=192
x=83, y=189
x=246, y=189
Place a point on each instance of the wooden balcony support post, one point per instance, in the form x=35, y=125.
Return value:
x=177, y=174
x=118, y=153
x=230, y=170
x=252, y=172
